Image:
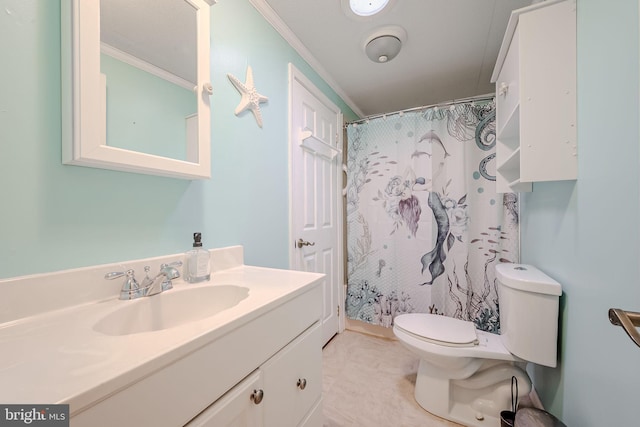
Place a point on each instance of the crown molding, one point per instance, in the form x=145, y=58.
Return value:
x=278, y=24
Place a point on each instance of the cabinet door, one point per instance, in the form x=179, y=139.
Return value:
x=548, y=93
x=293, y=380
x=315, y=418
x=241, y=406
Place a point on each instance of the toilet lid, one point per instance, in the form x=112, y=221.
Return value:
x=442, y=330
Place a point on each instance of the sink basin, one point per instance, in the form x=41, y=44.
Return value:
x=170, y=309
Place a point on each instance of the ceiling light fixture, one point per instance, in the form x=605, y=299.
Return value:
x=383, y=48
x=367, y=7
x=384, y=43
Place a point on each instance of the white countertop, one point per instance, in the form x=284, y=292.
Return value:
x=57, y=356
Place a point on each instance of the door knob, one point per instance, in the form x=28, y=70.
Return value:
x=302, y=383
x=300, y=243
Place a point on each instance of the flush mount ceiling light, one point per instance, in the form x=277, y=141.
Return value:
x=384, y=44
x=367, y=7
x=383, y=48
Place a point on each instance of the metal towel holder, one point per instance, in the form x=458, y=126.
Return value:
x=629, y=320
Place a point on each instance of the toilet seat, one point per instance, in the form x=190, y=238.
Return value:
x=436, y=329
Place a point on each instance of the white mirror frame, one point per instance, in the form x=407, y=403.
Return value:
x=84, y=103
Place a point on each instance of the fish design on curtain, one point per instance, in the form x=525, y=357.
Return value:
x=425, y=227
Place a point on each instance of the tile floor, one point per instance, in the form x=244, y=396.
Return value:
x=368, y=381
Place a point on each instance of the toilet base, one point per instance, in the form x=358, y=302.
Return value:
x=475, y=401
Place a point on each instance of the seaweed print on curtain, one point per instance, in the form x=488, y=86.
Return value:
x=425, y=227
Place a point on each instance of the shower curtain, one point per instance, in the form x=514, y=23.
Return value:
x=425, y=226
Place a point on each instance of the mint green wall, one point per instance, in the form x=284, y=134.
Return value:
x=585, y=234
x=55, y=217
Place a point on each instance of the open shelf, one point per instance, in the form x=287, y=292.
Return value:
x=512, y=162
x=510, y=130
x=520, y=187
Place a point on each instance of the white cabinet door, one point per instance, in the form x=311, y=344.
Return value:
x=293, y=380
x=548, y=138
x=315, y=418
x=242, y=406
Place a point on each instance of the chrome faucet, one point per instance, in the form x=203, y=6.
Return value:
x=162, y=281
x=131, y=289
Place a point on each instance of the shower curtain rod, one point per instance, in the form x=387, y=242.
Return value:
x=485, y=97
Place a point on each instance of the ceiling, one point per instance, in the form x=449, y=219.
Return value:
x=449, y=53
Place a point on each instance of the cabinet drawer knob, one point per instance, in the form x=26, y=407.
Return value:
x=257, y=396
x=302, y=383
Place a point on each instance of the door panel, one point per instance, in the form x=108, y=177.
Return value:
x=316, y=192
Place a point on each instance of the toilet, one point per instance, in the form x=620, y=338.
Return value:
x=464, y=374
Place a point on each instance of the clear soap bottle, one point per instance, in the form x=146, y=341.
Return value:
x=197, y=266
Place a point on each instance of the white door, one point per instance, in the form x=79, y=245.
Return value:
x=316, y=192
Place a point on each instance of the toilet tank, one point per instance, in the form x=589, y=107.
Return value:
x=529, y=301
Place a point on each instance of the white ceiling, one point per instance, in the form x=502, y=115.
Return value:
x=449, y=53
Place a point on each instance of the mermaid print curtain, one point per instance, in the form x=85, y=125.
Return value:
x=425, y=227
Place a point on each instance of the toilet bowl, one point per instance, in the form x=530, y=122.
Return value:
x=464, y=374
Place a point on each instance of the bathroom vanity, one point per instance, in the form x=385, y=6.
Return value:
x=242, y=349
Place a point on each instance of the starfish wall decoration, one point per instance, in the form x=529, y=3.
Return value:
x=251, y=99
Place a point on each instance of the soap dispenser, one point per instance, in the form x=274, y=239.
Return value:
x=197, y=266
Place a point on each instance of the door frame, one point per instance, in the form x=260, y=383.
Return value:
x=296, y=75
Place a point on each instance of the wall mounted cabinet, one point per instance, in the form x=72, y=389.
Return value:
x=535, y=77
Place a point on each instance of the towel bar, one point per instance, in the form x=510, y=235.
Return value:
x=629, y=320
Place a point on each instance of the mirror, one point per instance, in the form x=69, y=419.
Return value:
x=135, y=86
